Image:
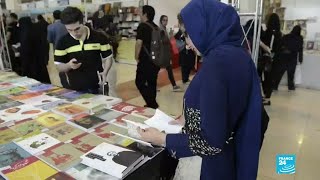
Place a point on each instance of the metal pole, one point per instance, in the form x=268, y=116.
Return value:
x=5, y=44
x=259, y=32
x=254, y=44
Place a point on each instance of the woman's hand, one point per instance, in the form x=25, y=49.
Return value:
x=180, y=121
x=153, y=136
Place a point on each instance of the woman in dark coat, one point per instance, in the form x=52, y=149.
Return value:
x=272, y=38
x=291, y=49
x=27, y=48
x=42, y=50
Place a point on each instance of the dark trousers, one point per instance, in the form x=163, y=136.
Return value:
x=146, y=82
x=289, y=65
x=170, y=75
x=185, y=71
x=266, y=79
x=264, y=124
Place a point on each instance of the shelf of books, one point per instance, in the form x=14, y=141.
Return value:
x=47, y=132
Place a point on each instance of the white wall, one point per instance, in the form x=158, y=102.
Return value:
x=304, y=9
x=171, y=8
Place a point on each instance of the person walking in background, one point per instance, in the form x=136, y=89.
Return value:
x=291, y=49
x=55, y=32
x=271, y=38
x=147, y=71
x=42, y=47
x=12, y=39
x=222, y=105
x=187, y=58
x=163, y=25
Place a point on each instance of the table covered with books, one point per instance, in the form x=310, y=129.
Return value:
x=47, y=132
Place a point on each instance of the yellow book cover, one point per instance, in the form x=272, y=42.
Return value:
x=29, y=169
x=7, y=135
x=50, y=119
x=70, y=110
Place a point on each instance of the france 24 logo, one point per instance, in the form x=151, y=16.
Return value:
x=286, y=163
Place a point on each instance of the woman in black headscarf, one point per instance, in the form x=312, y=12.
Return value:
x=42, y=48
x=272, y=38
x=27, y=52
x=291, y=48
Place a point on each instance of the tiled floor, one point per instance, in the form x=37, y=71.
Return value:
x=294, y=127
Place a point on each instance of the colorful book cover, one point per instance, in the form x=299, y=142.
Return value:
x=10, y=104
x=51, y=119
x=90, y=104
x=38, y=143
x=30, y=168
x=126, y=108
x=40, y=100
x=145, y=113
x=19, y=113
x=86, y=122
x=60, y=176
x=64, y=132
x=28, y=127
x=7, y=135
x=111, y=159
x=14, y=90
x=70, y=110
x=11, y=153
x=40, y=87
x=61, y=156
x=5, y=85
x=85, y=142
x=58, y=92
x=24, y=82
x=108, y=114
x=52, y=105
x=72, y=96
x=105, y=132
x=83, y=172
x=25, y=95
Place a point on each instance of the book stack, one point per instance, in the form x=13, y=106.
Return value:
x=47, y=132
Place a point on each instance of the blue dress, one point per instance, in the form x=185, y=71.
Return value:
x=223, y=102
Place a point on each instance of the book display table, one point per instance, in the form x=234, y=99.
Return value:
x=47, y=132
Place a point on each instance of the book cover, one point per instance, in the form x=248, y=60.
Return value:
x=28, y=127
x=60, y=176
x=64, y=132
x=111, y=159
x=7, y=135
x=19, y=113
x=126, y=108
x=86, y=122
x=40, y=100
x=51, y=119
x=11, y=153
x=61, y=156
x=108, y=114
x=23, y=81
x=89, y=103
x=83, y=172
x=30, y=168
x=58, y=92
x=52, y=105
x=5, y=85
x=145, y=113
x=37, y=143
x=70, y=110
x=10, y=104
x=25, y=95
x=40, y=87
x=74, y=95
x=4, y=100
x=105, y=132
x=108, y=101
x=85, y=142
x=148, y=151
x=14, y=90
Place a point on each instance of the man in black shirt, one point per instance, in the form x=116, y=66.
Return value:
x=147, y=72
x=79, y=53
